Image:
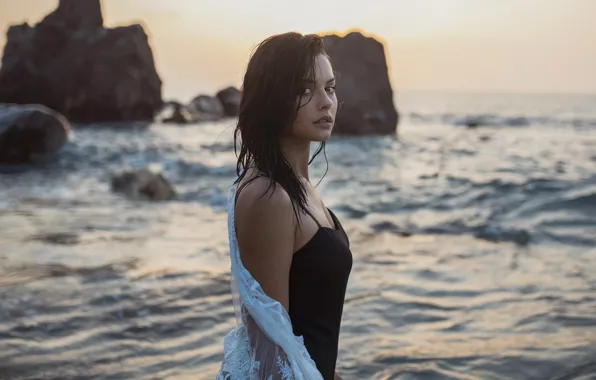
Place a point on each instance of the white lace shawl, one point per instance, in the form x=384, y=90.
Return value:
x=262, y=346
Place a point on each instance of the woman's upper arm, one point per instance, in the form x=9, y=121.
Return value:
x=265, y=231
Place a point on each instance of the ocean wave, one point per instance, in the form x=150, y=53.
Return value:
x=575, y=198
x=188, y=168
x=495, y=120
x=31, y=272
x=524, y=212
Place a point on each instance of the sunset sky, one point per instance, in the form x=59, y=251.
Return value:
x=201, y=46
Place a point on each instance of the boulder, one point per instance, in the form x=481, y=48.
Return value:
x=69, y=62
x=143, y=184
x=363, y=87
x=30, y=132
x=175, y=113
x=230, y=97
x=206, y=108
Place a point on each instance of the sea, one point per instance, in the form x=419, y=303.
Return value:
x=474, y=248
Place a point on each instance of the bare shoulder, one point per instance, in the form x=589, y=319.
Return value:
x=265, y=231
x=259, y=197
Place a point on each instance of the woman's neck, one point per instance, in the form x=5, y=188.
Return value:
x=297, y=153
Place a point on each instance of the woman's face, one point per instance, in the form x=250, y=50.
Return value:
x=316, y=117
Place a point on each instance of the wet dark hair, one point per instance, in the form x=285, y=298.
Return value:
x=274, y=80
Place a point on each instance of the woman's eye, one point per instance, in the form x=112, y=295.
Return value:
x=306, y=92
x=330, y=89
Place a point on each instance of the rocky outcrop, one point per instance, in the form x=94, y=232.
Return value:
x=363, y=87
x=206, y=108
x=230, y=97
x=202, y=108
x=175, y=113
x=31, y=132
x=143, y=184
x=69, y=62
x=75, y=15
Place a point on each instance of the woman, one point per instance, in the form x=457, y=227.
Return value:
x=290, y=255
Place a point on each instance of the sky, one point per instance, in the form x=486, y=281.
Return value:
x=511, y=46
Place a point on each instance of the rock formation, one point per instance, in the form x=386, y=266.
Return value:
x=230, y=97
x=69, y=62
x=363, y=87
x=206, y=108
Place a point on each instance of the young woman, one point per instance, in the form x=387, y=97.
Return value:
x=290, y=255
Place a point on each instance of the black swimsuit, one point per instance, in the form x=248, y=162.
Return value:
x=318, y=278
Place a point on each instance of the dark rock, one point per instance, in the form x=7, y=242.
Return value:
x=76, y=15
x=30, y=132
x=206, y=108
x=230, y=97
x=70, y=63
x=177, y=114
x=143, y=185
x=363, y=88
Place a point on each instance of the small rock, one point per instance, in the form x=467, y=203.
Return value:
x=230, y=97
x=30, y=132
x=179, y=114
x=143, y=185
x=206, y=108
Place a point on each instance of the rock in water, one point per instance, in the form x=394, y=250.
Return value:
x=30, y=132
x=363, y=88
x=175, y=113
x=72, y=64
x=230, y=97
x=206, y=108
x=143, y=185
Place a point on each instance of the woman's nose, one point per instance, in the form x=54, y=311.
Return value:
x=325, y=101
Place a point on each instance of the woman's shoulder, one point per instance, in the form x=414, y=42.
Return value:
x=264, y=220
x=258, y=195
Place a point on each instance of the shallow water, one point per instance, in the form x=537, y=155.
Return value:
x=474, y=249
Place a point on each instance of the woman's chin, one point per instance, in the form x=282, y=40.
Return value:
x=322, y=135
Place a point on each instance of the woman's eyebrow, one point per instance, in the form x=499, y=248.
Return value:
x=314, y=82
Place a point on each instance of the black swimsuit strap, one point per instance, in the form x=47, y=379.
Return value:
x=313, y=218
